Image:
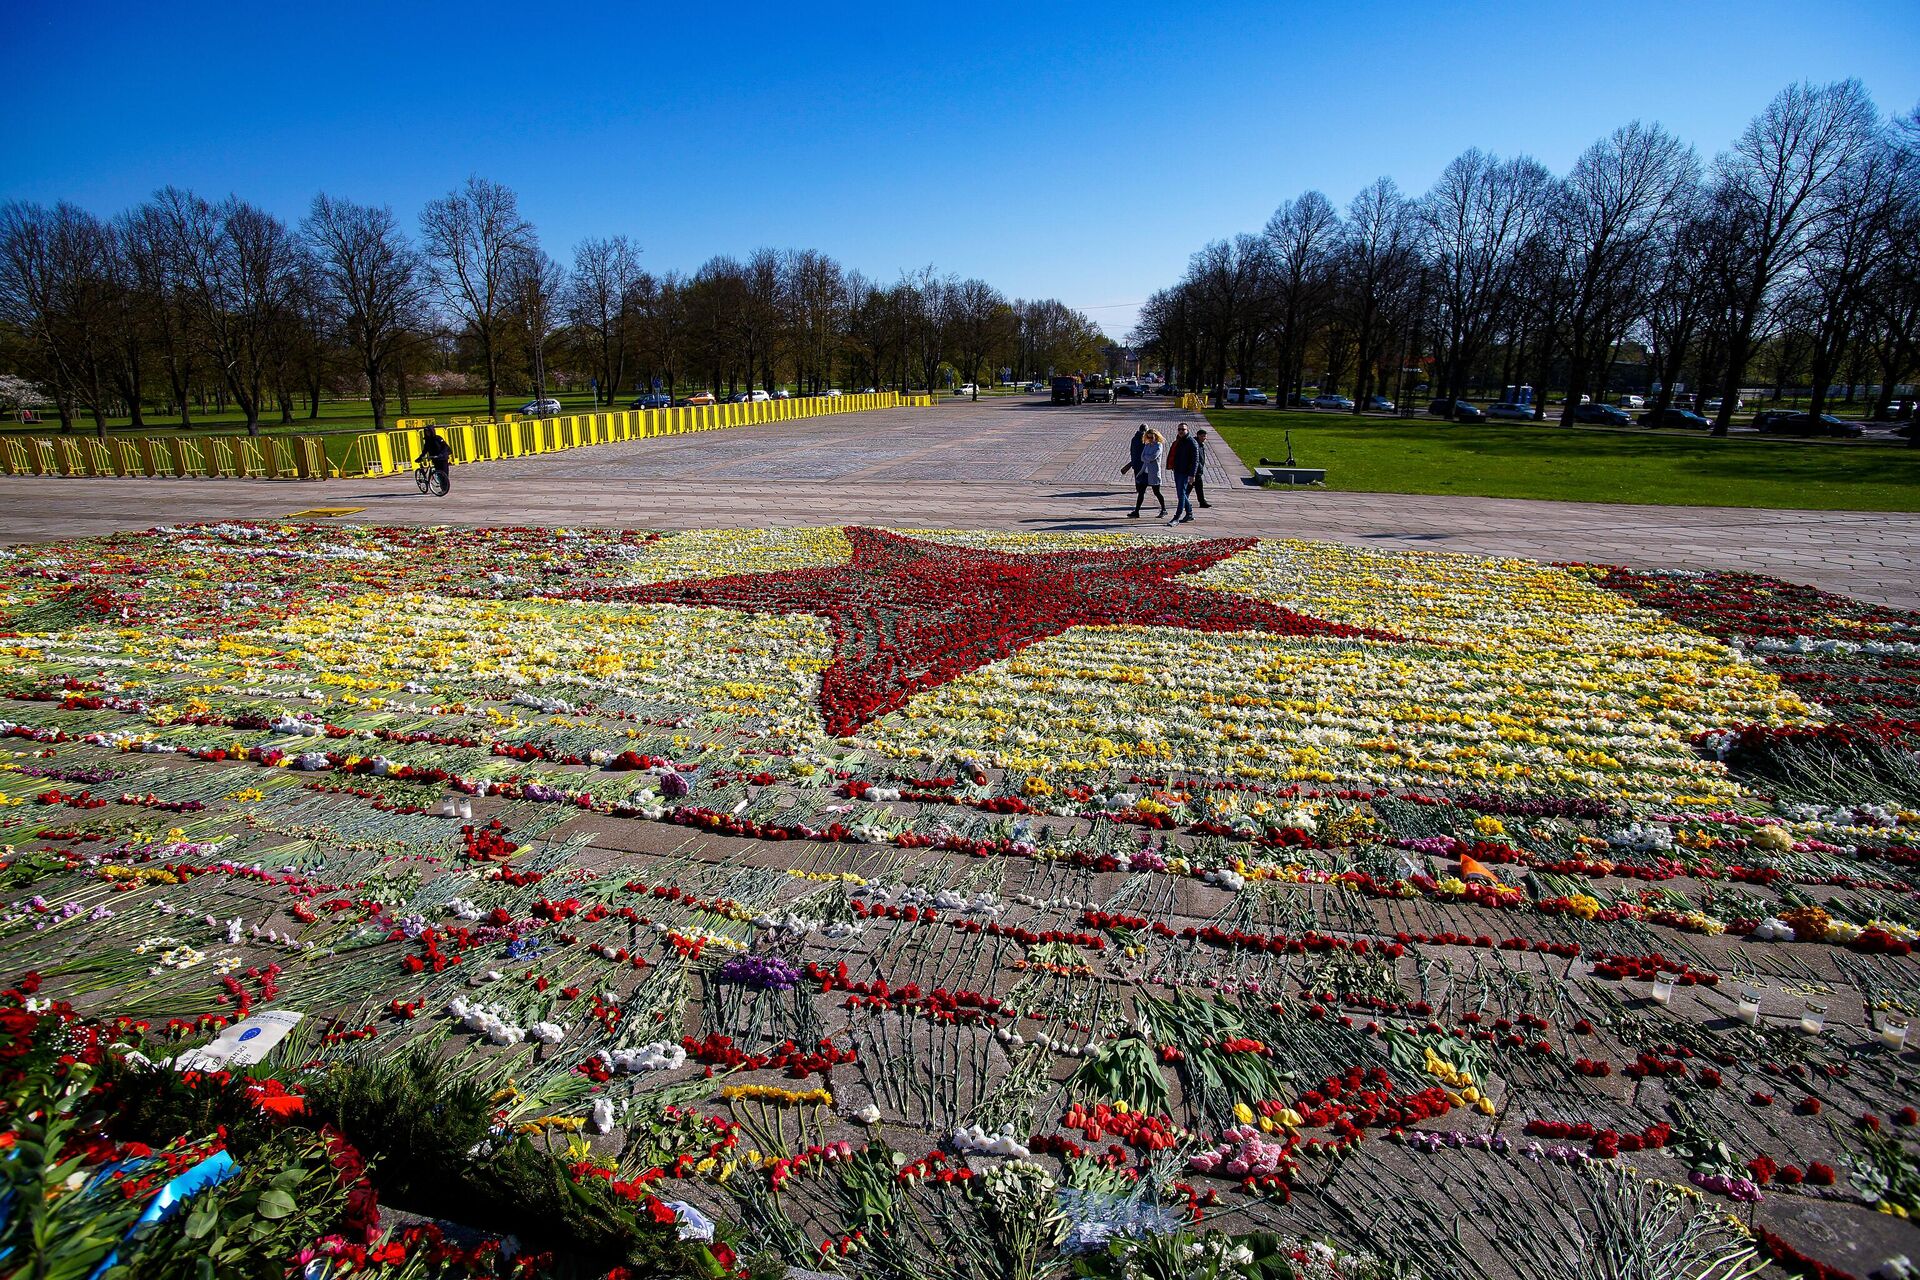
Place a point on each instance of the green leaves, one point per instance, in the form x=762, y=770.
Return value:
x=1123, y=1070
x=274, y=1203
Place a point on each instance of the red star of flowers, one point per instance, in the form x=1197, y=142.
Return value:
x=908, y=615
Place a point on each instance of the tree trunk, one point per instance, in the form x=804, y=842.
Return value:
x=376, y=395
x=493, y=375
x=182, y=396
x=1822, y=374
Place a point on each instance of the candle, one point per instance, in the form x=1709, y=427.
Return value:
x=1750, y=1006
x=466, y=808
x=1813, y=1017
x=1893, y=1031
x=1662, y=990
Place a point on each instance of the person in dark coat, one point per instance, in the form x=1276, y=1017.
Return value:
x=1200, y=469
x=1134, y=447
x=1183, y=458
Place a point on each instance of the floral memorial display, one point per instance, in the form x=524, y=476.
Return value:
x=927, y=903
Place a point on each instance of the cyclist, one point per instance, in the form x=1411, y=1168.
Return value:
x=435, y=449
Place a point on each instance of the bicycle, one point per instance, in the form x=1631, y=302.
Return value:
x=428, y=480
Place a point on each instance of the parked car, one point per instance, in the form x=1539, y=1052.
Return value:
x=1099, y=389
x=1811, y=424
x=1508, y=409
x=652, y=400
x=1246, y=395
x=698, y=397
x=749, y=397
x=1458, y=410
x=1765, y=416
x=1713, y=405
x=1332, y=402
x=783, y=394
x=1380, y=404
x=541, y=407
x=1674, y=416
x=1130, y=389
x=830, y=391
x=1602, y=415
x=1633, y=402
x=966, y=389
x=1036, y=386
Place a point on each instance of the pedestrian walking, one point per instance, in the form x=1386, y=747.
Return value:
x=1200, y=469
x=1147, y=475
x=1134, y=446
x=1183, y=457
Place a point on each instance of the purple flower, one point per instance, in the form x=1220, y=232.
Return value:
x=766, y=973
x=674, y=785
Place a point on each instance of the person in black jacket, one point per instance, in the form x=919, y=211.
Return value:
x=1134, y=447
x=1184, y=459
x=1200, y=469
x=435, y=449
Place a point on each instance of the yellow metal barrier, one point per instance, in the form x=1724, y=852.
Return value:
x=391, y=452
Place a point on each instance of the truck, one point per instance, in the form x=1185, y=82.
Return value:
x=1099, y=389
x=1068, y=390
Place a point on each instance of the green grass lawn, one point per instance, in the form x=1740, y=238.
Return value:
x=1388, y=455
x=342, y=415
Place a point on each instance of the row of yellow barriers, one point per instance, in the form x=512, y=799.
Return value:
x=385, y=452
x=266, y=457
x=379, y=453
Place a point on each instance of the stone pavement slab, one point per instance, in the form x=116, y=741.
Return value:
x=1013, y=463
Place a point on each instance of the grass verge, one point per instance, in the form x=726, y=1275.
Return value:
x=1386, y=455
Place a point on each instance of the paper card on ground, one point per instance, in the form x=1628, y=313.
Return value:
x=241, y=1044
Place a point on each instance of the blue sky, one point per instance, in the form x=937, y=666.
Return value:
x=1080, y=152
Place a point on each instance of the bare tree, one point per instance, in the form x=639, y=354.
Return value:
x=153, y=259
x=980, y=317
x=817, y=312
x=1375, y=257
x=1784, y=178
x=473, y=237
x=1229, y=276
x=1830, y=290
x=239, y=266
x=1301, y=238
x=600, y=303
x=1478, y=215
x=370, y=278
x=58, y=286
x=1605, y=224
x=758, y=328
x=535, y=285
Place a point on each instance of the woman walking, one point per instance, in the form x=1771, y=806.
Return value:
x=1147, y=475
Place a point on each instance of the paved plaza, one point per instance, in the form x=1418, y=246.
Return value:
x=1004, y=463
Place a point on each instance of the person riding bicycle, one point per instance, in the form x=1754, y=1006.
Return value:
x=435, y=449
